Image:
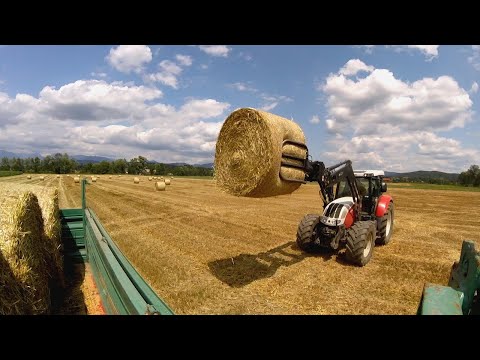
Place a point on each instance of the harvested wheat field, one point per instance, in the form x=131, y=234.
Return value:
x=206, y=252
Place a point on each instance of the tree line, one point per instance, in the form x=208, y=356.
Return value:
x=470, y=177
x=63, y=164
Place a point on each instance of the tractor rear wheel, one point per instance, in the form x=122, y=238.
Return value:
x=385, y=226
x=360, y=242
x=306, y=232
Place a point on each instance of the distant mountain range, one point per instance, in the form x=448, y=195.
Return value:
x=424, y=174
x=10, y=155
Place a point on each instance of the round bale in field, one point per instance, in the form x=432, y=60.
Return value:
x=160, y=186
x=58, y=176
x=76, y=179
x=149, y=178
x=136, y=180
x=167, y=181
x=109, y=177
x=42, y=178
x=248, y=154
x=29, y=176
x=94, y=179
x=161, y=178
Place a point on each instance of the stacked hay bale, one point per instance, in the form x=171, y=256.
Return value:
x=24, y=254
x=48, y=200
x=136, y=180
x=248, y=154
x=160, y=186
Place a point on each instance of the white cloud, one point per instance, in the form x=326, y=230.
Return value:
x=170, y=67
x=111, y=119
x=474, y=88
x=169, y=72
x=315, y=120
x=240, y=86
x=270, y=106
x=353, y=66
x=98, y=74
x=128, y=58
x=245, y=56
x=429, y=51
x=184, y=60
x=215, y=50
x=204, y=66
x=474, y=59
x=380, y=120
x=368, y=48
x=271, y=101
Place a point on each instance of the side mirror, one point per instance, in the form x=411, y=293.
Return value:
x=384, y=187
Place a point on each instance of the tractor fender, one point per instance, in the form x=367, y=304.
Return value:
x=382, y=206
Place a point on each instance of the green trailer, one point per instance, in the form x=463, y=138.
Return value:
x=122, y=289
x=460, y=297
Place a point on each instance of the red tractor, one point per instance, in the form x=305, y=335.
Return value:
x=357, y=213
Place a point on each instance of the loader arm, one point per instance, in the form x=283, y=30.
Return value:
x=327, y=177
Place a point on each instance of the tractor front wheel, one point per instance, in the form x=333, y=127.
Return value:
x=360, y=242
x=306, y=232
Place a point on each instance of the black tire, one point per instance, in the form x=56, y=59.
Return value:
x=382, y=222
x=306, y=232
x=360, y=242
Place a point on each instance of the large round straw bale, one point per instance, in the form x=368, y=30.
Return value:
x=42, y=178
x=160, y=186
x=136, y=180
x=76, y=179
x=110, y=177
x=29, y=176
x=94, y=179
x=249, y=150
x=150, y=178
x=24, y=250
x=161, y=178
x=58, y=176
x=167, y=181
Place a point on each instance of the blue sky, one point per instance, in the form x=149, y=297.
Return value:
x=398, y=108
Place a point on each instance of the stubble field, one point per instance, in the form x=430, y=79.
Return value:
x=205, y=252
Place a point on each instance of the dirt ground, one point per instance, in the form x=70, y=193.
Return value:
x=205, y=252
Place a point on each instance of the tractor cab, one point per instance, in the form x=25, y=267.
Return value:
x=370, y=186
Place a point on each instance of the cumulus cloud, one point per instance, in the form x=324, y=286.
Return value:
x=352, y=67
x=184, y=60
x=315, y=120
x=383, y=121
x=128, y=58
x=215, y=50
x=111, y=119
x=169, y=71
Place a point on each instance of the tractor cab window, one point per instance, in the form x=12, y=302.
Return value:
x=363, y=184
